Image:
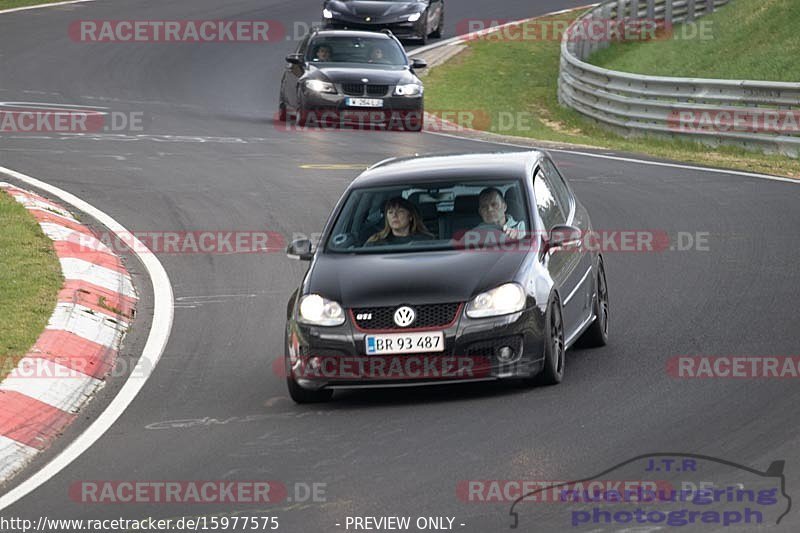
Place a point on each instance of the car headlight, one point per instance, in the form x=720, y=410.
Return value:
x=327, y=13
x=319, y=311
x=503, y=300
x=413, y=17
x=319, y=86
x=409, y=89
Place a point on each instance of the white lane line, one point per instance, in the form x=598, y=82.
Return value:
x=678, y=165
x=86, y=323
x=153, y=349
x=27, y=8
x=48, y=106
x=67, y=393
x=623, y=159
x=458, y=39
x=13, y=455
x=78, y=269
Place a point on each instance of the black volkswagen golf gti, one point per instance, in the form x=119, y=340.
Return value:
x=446, y=269
x=356, y=78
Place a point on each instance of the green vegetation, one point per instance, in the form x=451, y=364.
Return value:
x=30, y=278
x=745, y=40
x=8, y=4
x=518, y=79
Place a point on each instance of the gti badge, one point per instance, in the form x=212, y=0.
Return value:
x=404, y=316
x=364, y=316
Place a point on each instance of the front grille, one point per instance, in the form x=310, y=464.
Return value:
x=377, y=90
x=353, y=89
x=428, y=316
x=359, y=89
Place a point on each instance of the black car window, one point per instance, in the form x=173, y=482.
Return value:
x=448, y=215
x=559, y=186
x=546, y=202
x=360, y=50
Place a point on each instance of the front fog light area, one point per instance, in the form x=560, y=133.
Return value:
x=505, y=354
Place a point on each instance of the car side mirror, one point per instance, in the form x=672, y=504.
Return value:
x=295, y=59
x=300, y=249
x=564, y=236
x=419, y=63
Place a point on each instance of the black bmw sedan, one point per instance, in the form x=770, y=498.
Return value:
x=446, y=269
x=408, y=19
x=354, y=78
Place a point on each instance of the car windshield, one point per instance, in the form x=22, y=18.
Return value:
x=360, y=50
x=426, y=217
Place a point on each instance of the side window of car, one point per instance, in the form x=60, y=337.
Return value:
x=546, y=202
x=559, y=187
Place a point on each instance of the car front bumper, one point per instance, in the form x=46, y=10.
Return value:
x=332, y=109
x=334, y=357
x=401, y=30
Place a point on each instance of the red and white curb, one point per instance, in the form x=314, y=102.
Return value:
x=67, y=364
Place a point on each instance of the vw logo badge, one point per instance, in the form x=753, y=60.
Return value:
x=368, y=19
x=404, y=316
x=364, y=80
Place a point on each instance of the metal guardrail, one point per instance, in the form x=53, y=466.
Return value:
x=758, y=115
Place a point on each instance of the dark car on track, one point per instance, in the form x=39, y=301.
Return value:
x=415, y=19
x=352, y=78
x=446, y=269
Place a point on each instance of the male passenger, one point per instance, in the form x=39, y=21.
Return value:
x=493, y=210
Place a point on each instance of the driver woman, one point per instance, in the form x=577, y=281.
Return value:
x=402, y=224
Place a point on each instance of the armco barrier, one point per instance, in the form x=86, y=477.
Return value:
x=758, y=115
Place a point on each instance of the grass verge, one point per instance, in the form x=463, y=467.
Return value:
x=9, y=4
x=744, y=40
x=519, y=78
x=30, y=278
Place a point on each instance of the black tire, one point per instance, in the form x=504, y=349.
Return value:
x=281, y=110
x=597, y=334
x=417, y=124
x=301, y=395
x=425, y=31
x=296, y=392
x=554, y=351
x=301, y=113
x=301, y=117
x=437, y=33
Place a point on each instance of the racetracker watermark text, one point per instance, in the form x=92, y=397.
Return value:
x=556, y=29
x=176, y=31
x=734, y=367
x=68, y=121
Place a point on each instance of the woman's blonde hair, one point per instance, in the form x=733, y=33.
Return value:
x=417, y=225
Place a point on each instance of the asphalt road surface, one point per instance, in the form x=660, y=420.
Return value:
x=211, y=157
